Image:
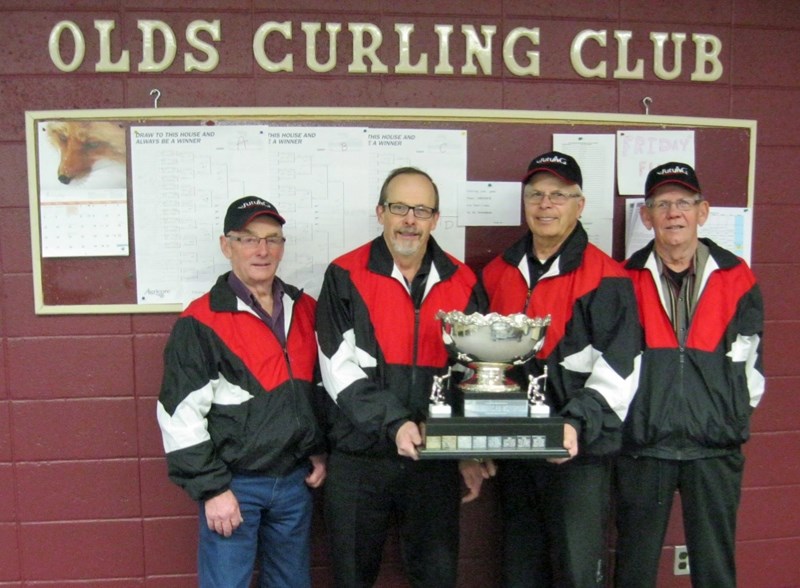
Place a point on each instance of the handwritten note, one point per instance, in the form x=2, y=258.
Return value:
x=640, y=151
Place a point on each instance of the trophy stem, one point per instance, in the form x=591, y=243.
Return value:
x=489, y=377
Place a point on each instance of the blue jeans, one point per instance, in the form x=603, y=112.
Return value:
x=276, y=527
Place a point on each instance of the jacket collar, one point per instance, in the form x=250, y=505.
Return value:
x=723, y=258
x=381, y=261
x=568, y=258
x=223, y=298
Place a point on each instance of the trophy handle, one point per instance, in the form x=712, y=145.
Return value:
x=438, y=404
x=531, y=354
x=525, y=358
x=536, y=398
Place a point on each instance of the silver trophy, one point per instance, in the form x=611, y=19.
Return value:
x=491, y=415
x=490, y=345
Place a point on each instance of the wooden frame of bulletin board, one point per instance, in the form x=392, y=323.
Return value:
x=65, y=147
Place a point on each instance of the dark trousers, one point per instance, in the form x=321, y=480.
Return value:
x=363, y=495
x=710, y=490
x=554, y=522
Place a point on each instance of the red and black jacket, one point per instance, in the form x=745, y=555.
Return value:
x=592, y=346
x=695, y=401
x=378, y=351
x=233, y=400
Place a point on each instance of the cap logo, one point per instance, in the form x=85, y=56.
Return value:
x=250, y=203
x=552, y=159
x=673, y=170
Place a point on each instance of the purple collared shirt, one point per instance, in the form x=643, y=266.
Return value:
x=274, y=322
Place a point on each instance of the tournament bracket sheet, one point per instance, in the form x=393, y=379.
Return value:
x=321, y=179
x=440, y=153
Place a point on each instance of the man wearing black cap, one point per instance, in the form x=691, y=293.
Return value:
x=235, y=410
x=555, y=512
x=701, y=377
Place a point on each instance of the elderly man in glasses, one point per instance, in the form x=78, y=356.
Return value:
x=555, y=513
x=380, y=346
x=701, y=378
x=236, y=410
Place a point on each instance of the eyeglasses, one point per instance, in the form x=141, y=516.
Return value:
x=400, y=209
x=252, y=242
x=554, y=197
x=681, y=204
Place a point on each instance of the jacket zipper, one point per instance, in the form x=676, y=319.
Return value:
x=682, y=389
x=415, y=350
x=527, y=301
x=295, y=399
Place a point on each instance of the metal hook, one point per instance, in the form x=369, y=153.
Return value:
x=157, y=93
x=647, y=101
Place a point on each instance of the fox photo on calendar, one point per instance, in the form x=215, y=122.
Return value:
x=83, y=153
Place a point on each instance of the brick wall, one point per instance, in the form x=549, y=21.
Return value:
x=84, y=498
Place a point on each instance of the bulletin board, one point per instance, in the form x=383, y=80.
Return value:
x=100, y=157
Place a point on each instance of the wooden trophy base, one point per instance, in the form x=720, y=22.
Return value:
x=460, y=437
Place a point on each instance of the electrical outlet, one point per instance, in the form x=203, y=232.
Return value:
x=680, y=566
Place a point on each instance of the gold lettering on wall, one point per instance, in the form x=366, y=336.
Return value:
x=274, y=50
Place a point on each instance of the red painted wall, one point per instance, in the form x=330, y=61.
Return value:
x=84, y=498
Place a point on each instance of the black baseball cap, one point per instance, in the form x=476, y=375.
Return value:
x=559, y=164
x=673, y=172
x=245, y=209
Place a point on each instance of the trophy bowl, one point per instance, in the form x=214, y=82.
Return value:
x=490, y=344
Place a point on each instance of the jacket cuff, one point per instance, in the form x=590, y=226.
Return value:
x=391, y=430
x=212, y=493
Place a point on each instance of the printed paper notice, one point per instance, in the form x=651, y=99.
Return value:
x=595, y=155
x=490, y=204
x=442, y=154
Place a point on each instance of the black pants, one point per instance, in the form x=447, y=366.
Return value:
x=710, y=490
x=554, y=522
x=362, y=494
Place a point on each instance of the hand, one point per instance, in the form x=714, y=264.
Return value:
x=319, y=470
x=474, y=472
x=570, y=444
x=407, y=439
x=222, y=513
